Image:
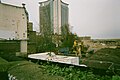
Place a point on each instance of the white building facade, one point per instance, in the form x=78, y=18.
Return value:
x=13, y=24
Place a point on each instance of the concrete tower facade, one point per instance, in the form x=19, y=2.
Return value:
x=53, y=15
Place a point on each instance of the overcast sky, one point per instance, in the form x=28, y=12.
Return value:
x=96, y=18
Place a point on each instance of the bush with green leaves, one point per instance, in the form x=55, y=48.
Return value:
x=116, y=77
x=73, y=73
x=3, y=65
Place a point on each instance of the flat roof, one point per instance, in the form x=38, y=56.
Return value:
x=64, y=3
x=44, y=1
x=11, y=5
x=49, y=0
x=22, y=7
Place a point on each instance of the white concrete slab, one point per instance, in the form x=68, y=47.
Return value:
x=56, y=58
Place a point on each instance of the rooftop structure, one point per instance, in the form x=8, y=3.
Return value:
x=13, y=24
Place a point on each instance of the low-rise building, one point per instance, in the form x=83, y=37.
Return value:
x=13, y=24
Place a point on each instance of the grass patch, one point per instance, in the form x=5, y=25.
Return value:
x=24, y=70
x=3, y=65
x=11, y=57
x=2, y=61
x=107, y=54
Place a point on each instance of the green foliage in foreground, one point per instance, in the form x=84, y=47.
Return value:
x=3, y=65
x=24, y=70
x=2, y=60
x=30, y=71
x=72, y=73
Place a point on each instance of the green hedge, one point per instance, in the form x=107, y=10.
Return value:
x=24, y=70
x=11, y=57
x=2, y=61
x=3, y=65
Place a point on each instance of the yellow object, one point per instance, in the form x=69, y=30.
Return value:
x=75, y=43
x=77, y=48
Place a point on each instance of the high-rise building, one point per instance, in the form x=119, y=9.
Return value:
x=53, y=17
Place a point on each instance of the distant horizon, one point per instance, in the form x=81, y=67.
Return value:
x=97, y=38
x=97, y=18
